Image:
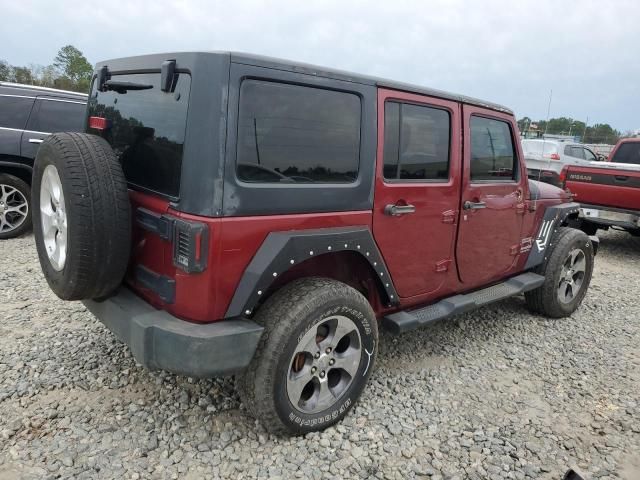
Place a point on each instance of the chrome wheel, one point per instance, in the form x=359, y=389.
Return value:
x=572, y=276
x=54, y=217
x=324, y=364
x=14, y=208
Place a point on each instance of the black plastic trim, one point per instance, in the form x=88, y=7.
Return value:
x=283, y=250
x=164, y=287
x=554, y=217
x=154, y=222
x=159, y=340
x=404, y=321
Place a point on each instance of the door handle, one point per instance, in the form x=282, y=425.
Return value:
x=621, y=178
x=397, y=210
x=35, y=140
x=473, y=205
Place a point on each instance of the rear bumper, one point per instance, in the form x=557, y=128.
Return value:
x=159, y=340
x=610, y=216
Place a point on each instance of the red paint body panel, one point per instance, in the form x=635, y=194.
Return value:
x=486, y=236
x=436, y=252
x=413, y=244
x=599, y=186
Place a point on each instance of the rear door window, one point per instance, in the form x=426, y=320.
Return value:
x=493, y=155
x=14, y=111
x=589, y=155
x=53, y=116
x=627, y=153
x=416, y=142
x=297, y=134
x=146, y=129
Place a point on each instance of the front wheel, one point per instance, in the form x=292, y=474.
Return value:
x=567, y=273
x=314, y=359
x=15, y=206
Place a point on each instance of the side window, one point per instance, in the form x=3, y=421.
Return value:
x=416, y=142
x=589, y=155
x=53, y=116
x=568, y=151
x=492, y=154
x=295, y=134
x=14, y=111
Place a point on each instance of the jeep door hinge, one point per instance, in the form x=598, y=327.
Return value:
x=443, y=265
x=449, y=216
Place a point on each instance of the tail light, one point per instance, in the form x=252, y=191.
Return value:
x=190, y=240
x=99, y=123
x=553, y=156
x=563, y=176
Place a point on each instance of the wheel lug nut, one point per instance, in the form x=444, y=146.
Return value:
x=322, y=374
x=313, y=369
x=332, y=361
x=317, y=355
x=328, y=350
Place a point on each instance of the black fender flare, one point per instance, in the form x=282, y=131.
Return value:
x=554, y=217
x=280, y=251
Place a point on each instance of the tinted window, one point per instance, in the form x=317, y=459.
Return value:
x=295, y=134
x=57, y=116
x=576, y=152
x=627, y=153
x=589, y=155
x=416, y=142
x=14, y=111
x=492, y=153
x=147, y=129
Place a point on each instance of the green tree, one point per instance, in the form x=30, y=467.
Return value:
x=74, y=68
x=23, y=75
x=6, y=72
x=523, y=123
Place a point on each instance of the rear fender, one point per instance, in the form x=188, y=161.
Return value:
x=282, y=251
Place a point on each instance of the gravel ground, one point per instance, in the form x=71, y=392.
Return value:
x=497, y=393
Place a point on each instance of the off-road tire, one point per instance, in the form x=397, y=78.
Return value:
x=544, y=299
x=287, y=315
x=98, y=215
x=25, y=190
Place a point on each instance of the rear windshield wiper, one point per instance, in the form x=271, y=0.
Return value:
x=122, y=87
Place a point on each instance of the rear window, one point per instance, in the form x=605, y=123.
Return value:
x=53, y=116
x=537, y=147
x=14, y=111
x=492, y=154
x=627, y=153
x=297, y=134
x=147, y=129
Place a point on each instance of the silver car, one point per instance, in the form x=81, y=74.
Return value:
x=546, y=158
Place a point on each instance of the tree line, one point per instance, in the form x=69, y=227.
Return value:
x=597, y=133
x=70, y=70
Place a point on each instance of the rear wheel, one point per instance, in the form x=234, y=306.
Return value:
x=567, y=273
x=15, y=206
x=314, y=359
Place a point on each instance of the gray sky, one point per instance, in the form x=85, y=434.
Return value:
x=510, y=52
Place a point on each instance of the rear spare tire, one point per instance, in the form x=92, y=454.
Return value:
x=81, y=216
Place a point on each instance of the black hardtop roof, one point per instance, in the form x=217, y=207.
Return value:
x=22, y=89
x=131, y=63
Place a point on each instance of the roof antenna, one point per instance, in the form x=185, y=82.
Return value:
x=544, y=139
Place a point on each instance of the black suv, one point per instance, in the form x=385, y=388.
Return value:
x=27, y=115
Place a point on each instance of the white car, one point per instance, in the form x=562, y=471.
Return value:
x=546, y=158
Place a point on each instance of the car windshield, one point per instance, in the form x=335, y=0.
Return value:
x=627, y=153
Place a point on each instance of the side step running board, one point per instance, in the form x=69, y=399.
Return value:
x=406, y=320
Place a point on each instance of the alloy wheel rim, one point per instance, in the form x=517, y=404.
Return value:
x=53, y=217
x=14, y=208
x=572, y=276
x=324, y=364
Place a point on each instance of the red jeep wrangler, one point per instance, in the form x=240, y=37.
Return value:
x=227, y=213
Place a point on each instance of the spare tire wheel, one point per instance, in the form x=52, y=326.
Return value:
x=81, y=216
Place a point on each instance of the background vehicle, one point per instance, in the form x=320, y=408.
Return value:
x=546, y=158
x=377, y=201
x=627, y=150
x=609, y=193
x=27, y=115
